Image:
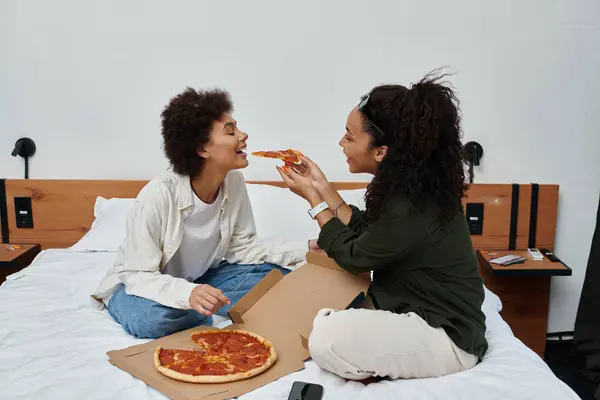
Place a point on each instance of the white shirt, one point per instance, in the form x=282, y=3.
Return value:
x=200, y=242
x=155, y=232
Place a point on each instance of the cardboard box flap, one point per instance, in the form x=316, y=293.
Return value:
x=290, y=306
x=322, y=260
x=356, y=303
x=258, y=291
x=304, y=342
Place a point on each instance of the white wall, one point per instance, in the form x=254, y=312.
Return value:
x=87, y=80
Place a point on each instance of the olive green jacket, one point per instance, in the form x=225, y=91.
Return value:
x=419, y=264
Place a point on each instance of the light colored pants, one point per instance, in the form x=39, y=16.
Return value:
x=359, y=343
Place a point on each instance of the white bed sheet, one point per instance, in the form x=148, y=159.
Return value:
x=53, y=345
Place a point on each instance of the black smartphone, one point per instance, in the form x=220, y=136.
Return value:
x=306, y=391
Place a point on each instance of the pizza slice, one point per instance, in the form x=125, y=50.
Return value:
x=292, y=158
x=226, y=342
x=211, y=340
x=193, y=366
x=289, y=156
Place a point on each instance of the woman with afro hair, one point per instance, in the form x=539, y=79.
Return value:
x=425, y=319
x=191, y=248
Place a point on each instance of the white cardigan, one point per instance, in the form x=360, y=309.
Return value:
x=155, y=230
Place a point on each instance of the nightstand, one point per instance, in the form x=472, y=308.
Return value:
x=15, y=257
x=524, y=290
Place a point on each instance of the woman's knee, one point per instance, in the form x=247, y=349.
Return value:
x=170, y=324
x=268, y=267
x=318, y=343
x=150, y=329
x=144, y=318
x=325, y=332
x=164, y=323
x=321, y=344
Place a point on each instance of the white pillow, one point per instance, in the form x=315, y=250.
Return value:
x=282, y=215
x=278, y=213
x=109, y=227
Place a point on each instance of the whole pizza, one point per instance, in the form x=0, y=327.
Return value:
x=224, y=356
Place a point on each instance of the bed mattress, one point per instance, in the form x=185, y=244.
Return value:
x=53, y=345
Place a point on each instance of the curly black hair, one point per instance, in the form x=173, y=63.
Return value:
x=186, y=124
x=425, y=160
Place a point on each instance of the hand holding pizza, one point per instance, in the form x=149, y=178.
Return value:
x=302, y=176
x=207, y=300
x=318, y=178
x=302, y=185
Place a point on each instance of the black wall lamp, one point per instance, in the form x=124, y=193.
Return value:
x=24, y=147
x=473, y=154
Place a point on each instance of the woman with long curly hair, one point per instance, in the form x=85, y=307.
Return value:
x=426, y=319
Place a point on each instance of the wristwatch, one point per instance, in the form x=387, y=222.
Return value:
x=313, y=212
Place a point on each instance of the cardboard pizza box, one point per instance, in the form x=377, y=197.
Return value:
x=279, y=308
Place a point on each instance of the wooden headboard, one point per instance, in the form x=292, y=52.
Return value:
x=63, y=209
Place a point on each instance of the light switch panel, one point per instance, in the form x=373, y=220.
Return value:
x=23, y=212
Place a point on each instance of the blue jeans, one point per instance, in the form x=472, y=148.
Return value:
x=144, y=318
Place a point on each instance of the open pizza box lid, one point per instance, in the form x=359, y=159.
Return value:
x=279, y=308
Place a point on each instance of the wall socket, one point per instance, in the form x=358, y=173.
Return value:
x=475, y=218
x=23, y=212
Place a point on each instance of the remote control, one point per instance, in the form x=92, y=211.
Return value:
x=550, y=255
x=535, y=254
x=508, y=260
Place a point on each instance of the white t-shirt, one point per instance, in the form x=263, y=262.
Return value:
x=200, y=242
